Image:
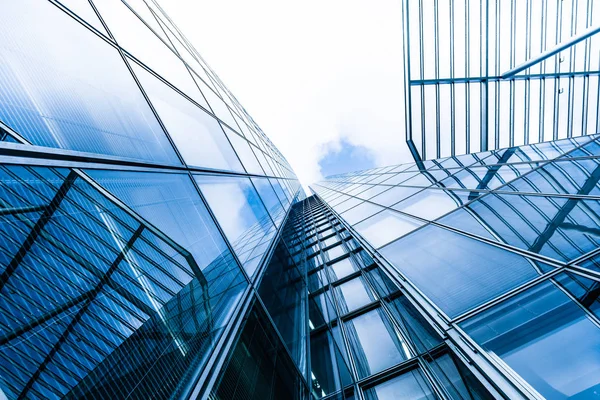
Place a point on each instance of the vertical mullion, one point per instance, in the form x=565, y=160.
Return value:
x=468, y=75
x=436, y=31
x=543, y=38
x=512, y=47
x=421, y=76
x=557, y=39
x=452, y=88
x=527, y=105
x=497, y=83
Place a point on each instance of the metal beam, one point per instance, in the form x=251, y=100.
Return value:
x=90, y=298
x=565, y=210
x=54, y=204
x=551, y=52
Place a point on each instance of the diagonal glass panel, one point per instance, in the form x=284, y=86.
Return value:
x=197, y=135
x=269, y=198
x=242, y=148
x=386, y=226
x=241, y=215
x=539, y=332
x=557, y=227
x=172, y=204
x=93, y=296
x=56, y=93
x=135, y=37
x=473, y=272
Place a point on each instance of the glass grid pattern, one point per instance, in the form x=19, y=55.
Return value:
x=501, y=251
x=140, y=205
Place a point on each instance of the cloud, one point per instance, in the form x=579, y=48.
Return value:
x=309, y=73
x=342, y=156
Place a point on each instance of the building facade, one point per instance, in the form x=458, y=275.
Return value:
x=155, y=243
x=485, y=75
x=139, y=204
x=499, y=253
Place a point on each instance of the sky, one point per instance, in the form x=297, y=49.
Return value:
x=323, y=79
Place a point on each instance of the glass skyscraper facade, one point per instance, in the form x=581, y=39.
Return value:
x=154, y=243
x=498, y=251
x=139, y=204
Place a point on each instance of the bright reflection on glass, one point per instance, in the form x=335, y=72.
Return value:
x=546, y=338
x=410, y=385
x=197, y=135
x=472, y=271
x=240, y=214
x=353, y=295
x=375, y=343
x=56, y=91
x=386, y=226
x=429, y=204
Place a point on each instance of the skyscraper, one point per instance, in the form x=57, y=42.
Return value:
x=499, y=253
x=139, y=202
x=155, y=243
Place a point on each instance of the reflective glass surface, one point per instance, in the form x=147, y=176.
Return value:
x=134, y=36
x=240, y=214
x=473, y=272
x=197, y=135
x=375, y=343
x=537, y=334
x=172, y=204
x=410, y=385
x=91, y=296
x=342, y=268
x=56, y=91
x=353, y=294
x=386, y=226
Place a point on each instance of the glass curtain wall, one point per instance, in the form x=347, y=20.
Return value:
x=499, y=249
x=139, y=205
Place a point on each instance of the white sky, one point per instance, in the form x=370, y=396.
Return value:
x=310, y=73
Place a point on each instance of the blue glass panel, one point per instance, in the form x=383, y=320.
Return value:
x=55, y=90
x=135, y=37
x=269, y=198
x=394, y=195
x=94, y=296
x=546, y=338
x=375, y=343
x=283, y=293
x=430, y=203
x=410, y=385
x=556, y=227
x=473, y=272
x=567, y=177
x=360, y=212
x=353, y=295
x=240, y=214
x=342, y=268
x=242, y=148
x=329, y=372
x=171, y=203
x=386, y=226
x=197, y=135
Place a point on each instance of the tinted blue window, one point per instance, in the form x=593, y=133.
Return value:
x=197, y=135
x=546, y=338
x=55, y=90
x=556, y=227
x=241, y=214
x=410, y=385
x=375, y=343
x=172, y=204
x=458, y=273
x=135, y=37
